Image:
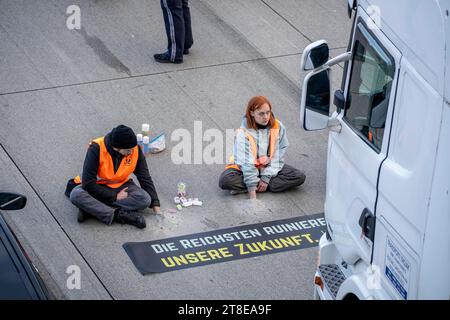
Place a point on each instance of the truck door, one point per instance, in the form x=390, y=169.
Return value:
x=356, y=153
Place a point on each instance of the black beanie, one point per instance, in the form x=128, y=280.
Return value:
x=123, y=137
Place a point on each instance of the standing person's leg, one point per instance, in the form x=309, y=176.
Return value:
x=166, y=23
x=174, y=24
x=232, y=179
x=84, y=201
x=137, y=198
x=188, y=38
x=287, y=178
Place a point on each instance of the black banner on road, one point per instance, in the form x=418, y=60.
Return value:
x=226, y=244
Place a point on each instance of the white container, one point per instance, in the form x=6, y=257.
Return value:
x=139, y=138
x=145, y=129
x=145, y=144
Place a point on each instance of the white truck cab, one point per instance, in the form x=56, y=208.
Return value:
x=387, y=201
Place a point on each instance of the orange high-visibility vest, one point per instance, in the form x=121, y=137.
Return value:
x=273, y=136
x=106, y=174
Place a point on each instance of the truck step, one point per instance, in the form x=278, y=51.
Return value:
x=332, y=277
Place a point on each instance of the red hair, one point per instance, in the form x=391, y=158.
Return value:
x=254, y=104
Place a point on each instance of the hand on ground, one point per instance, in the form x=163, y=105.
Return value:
x=156, y=209
x=262, y=186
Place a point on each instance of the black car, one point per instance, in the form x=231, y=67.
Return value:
x=19, y=278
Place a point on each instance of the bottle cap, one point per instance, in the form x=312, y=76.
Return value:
x=139, y=137
x=145, y=140
x=145, y=127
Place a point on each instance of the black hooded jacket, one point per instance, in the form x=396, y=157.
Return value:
x=104, y=193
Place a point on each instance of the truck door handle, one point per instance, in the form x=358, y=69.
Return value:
x=367, y=223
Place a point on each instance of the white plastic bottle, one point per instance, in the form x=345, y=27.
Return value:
x=139, y=138
x=146, y=145
x=145, y=130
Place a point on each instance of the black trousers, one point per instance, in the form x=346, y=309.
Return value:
x=137, y=199
x=177, y=20
x=288, y=177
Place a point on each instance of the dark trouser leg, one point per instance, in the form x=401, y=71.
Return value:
x=188, y=39
x=287, y=178
x=138, y=198
x=83, y=200
x=232, y=179
x=174, y=23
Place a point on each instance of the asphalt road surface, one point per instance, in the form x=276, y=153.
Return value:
x=60, y=88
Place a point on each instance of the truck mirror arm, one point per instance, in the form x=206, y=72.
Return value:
x=338, y=59
x=334, y=125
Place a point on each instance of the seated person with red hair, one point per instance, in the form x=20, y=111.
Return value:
x=257, y=162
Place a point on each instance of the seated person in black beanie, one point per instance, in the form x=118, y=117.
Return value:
x=106, y=191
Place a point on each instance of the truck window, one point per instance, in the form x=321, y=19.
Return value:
x=370, y=85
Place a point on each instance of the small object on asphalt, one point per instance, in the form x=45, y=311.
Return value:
x=145, y=145
x=187, y=203
x=179, y=207
x=183, y=200
x=139, y=138
x=171, y=211
x=181, y=189
x=158, y=143
x=145, y=129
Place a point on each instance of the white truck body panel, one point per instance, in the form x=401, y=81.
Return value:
x=406, y=182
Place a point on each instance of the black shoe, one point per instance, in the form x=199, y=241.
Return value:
x=186, y=51
x=165, y=58
x=82, y=215
x=133, y=218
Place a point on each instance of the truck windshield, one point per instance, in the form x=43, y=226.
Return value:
x=370, y=85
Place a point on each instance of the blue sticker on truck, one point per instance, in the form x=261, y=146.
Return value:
x=397, y=268
x=396, y=283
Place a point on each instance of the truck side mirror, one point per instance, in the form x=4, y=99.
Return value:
x=351, y=5
x=315, y=101
x=339, y=100
x=12, y=201
x=315, y=55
